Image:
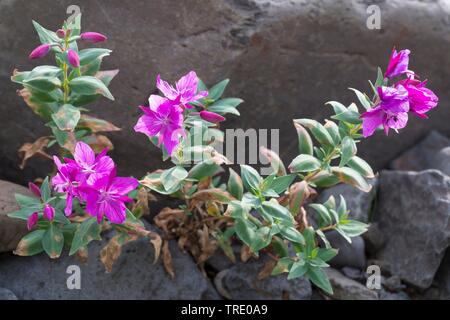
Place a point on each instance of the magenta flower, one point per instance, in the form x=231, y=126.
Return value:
x=73, y=58
x=391, y=112
x=185, y=89
x=40, y=51
x=35, y=189
x=163, y=119
x=421, y=99
x=61, y=33
x=92, y=166
x=211, y=116
x=49, y=212
x=107, y=197
x=32, y=220
x=398, y=63
x=93, y=37
x=68, y=180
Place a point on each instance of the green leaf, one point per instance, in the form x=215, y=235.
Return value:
x=204, y=169
x=43, y=83
x=333, y=130
x=227, y=105
x=361, y=166
x=53, y=241
x=380, y=78
x=217, y=90
x=251, y=179
x=348, y=150
x=305, y=144
x=280, y=184
x=67, y=117
x=353, y=228
x=337, y=106
x=342, y=209
x=283, y=265
x=292, y=234
x=320, y=279
x=86, y=231
x=304, y=163
x=262, y=239
x=90, y=55
x=173, y=177
x=26, y=201
x=324, y=179
x=318, y=130
x=348, y=116
x=274, y=209
x=309, y=235
x=352, y=177
x=45, y=190
x=276, y=163
x=365, y=102
x=31, y=244
x=327, y=254
x=298, y=270
x=107, y=76
x=245, y=231
x=235, y=186
x=323, y=213
x=87, y=85
x=45, y=71
x=45, y=36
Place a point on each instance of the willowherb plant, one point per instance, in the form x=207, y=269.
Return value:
x=59, y=93
x=268, y=214
x=85, y=196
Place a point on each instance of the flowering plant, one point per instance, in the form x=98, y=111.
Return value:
x=85, y=196
x=269, y=215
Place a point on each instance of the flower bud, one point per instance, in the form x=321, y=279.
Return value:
x=35, y=189
x=40, y=51
x=93, y=37
x=73, y=58
x=49, y=212
x=61, y=33
x=211, y=116
x=32, y=220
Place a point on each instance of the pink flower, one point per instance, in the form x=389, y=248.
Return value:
x=40, y=51
x=35, y=189
x=93, y=37
x=398, y=63
x=163, y=119
x=211, y=116
x=107, y=197
x=61, y=33
x=32, y=220
x=391, y=112
x=73, y=58
x=421, y=99
x=49, y=212
x=68, y=180
x=185, y=89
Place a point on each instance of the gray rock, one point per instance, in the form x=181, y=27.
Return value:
x=442, y=279
x=359, y=203
x=374, y=239
x=219, y=261
x=11, y=230
x=422, y=155
x=386, y=295
x=316, y=61
x=347, y=289
x=414, y=214
x=393, y=283
x=350, y=254
x=354, y=274
x=134, y=276
x=241, y=283
x=6, y=294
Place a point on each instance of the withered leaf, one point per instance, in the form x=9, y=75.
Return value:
x=267, y=269
x=96, y=125
x=29, y=150
x=167, y=259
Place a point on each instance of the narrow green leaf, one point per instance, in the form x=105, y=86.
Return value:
x=53, y=241
x=348, y=150
x=67, y=117
x=235, y=185
x=304, y=163
x=217, y=90
x=88, y=85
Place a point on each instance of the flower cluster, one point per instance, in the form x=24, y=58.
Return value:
x=92, y=180
x=163, y=118
x=394, y=102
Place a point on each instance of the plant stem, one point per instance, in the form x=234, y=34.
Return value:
x=65, y=70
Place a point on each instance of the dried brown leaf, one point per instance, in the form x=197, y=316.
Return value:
x=167, y=259
x=36, y=148
x=96, y=125
x=266, y=271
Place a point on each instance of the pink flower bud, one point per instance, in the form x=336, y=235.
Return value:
x=49, y=212
x=61, y=33
x=73, y=58
x=35, y=189
x=32, y=220
x=40, y=51
x=211, y=116
x=93, y=37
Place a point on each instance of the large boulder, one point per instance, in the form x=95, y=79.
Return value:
x=134, y=276
x=413, y=213
x=11, y=230
x=280, y=75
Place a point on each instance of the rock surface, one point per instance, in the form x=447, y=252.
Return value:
x=441, y=161
x=347, y=289
x=11, y=230
x=350, y=254
x=414, y=215
x=6, y=294
x=359, y=203
x=134, y=276
x=280, y=75
x=241, y=283
x=422, y=156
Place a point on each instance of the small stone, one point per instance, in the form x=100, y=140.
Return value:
x=386, y=295
x=347, y=289
x=354, y=274
x=6, y=294
x=350, y=254
x=241, y=283
x=393, y=283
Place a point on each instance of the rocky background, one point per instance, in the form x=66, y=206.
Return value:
x=285, y=59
